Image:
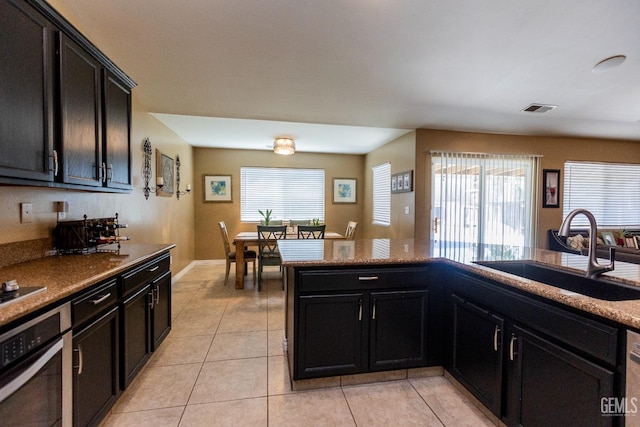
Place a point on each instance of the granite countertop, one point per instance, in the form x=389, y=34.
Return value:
x=65, y=275
x=371, y=252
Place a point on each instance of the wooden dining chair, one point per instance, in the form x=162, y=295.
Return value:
x=351, y=230
x=231, y=255
x=311, y=231
x=268, y=253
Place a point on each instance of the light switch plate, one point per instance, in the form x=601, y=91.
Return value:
x=26, y=212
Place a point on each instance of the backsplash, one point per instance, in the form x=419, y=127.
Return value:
x=17, y=252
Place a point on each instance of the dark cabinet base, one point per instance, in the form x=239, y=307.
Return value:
x=95, y=380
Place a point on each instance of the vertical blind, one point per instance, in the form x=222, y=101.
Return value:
x=483, y=204
x=290, y=193
x=382, y=194
x=608, y=190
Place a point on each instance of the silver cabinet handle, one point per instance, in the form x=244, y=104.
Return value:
x=360, y=310
x=110, y=177
x=104, y=172
x=55, y=163
x=367, y=278
x=80, y=358
x=101, y=299
x=373, y=316
x=156, y=290
x=151, y=299
x=151, y=270
x=496, y=331
x=511, y=343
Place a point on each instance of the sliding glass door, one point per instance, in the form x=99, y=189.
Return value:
x=482, y=204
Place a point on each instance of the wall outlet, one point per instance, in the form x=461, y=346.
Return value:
x=26, y=212
x=406, y=210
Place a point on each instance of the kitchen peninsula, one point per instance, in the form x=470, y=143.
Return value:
x=365, y=306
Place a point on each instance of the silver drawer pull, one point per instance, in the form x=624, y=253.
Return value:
x=512, y=353
x=151, y=270
x=496, y=331
x=101, y=299
x=367, y=278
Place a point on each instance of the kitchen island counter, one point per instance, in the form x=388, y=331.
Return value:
x=66, y=275
x=380, y=252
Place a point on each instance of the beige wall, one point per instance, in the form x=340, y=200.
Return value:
x=555, y=152
x=157, y=220
x=208, y=243
x=401, y=153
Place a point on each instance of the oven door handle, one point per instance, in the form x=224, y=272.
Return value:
x=31, y=371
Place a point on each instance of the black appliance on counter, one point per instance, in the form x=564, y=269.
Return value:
x=88, y=235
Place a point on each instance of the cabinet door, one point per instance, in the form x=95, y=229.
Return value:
x=477, y=352
x=136, y=324
x=329, y=337
x=398, y=330
x=95, y=374
x=117, y=128
x=549, y=385
x=26, y=110
x=161, y=324
x=80, y=109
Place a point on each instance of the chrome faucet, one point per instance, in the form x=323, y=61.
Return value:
x=593, y=269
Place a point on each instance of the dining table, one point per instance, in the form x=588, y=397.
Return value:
x=250, y=238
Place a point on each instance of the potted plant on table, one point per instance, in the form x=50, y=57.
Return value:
x=266, y=215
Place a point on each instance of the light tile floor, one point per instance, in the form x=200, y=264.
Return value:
x=223, y=365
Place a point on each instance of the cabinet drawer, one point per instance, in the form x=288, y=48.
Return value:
x=144, y=274
x=94, y=302
x=363, y=279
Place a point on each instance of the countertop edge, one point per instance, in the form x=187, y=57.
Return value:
x=56, y=294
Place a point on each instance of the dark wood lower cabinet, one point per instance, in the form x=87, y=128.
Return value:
x=551, y=386
x=361, y=332
x=477, y=352
x=95, y=374
x=330, y=339
x=531, y=363
x=398, y=330
x=161, y=310
x=136, y=327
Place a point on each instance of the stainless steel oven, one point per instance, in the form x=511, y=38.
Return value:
x=36, y=371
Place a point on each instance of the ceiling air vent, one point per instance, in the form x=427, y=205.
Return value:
x=539, y=108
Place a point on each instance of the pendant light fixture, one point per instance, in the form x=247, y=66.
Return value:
x=284, y=146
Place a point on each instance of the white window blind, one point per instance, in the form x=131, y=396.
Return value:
x=608, y=190
x=382, y=194
x=483, y=204
x=290, y=193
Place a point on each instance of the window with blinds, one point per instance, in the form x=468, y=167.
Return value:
x=483, y=204
x=382, y=194
x=290, y=193
x=608, y=190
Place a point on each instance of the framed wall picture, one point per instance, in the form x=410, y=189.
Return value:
x=217, y=188
x=551, y=187
x=403, y=182
x=344, y=190
x=608, y=239
x=164, y=175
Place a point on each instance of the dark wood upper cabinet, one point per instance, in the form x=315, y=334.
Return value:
x=117, y=132
x=80, y=115
x=65, y=116
x=27, y=54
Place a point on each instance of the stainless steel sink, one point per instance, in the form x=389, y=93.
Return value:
x=596, y=288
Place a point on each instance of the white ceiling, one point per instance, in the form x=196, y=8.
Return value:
x=350, y=75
